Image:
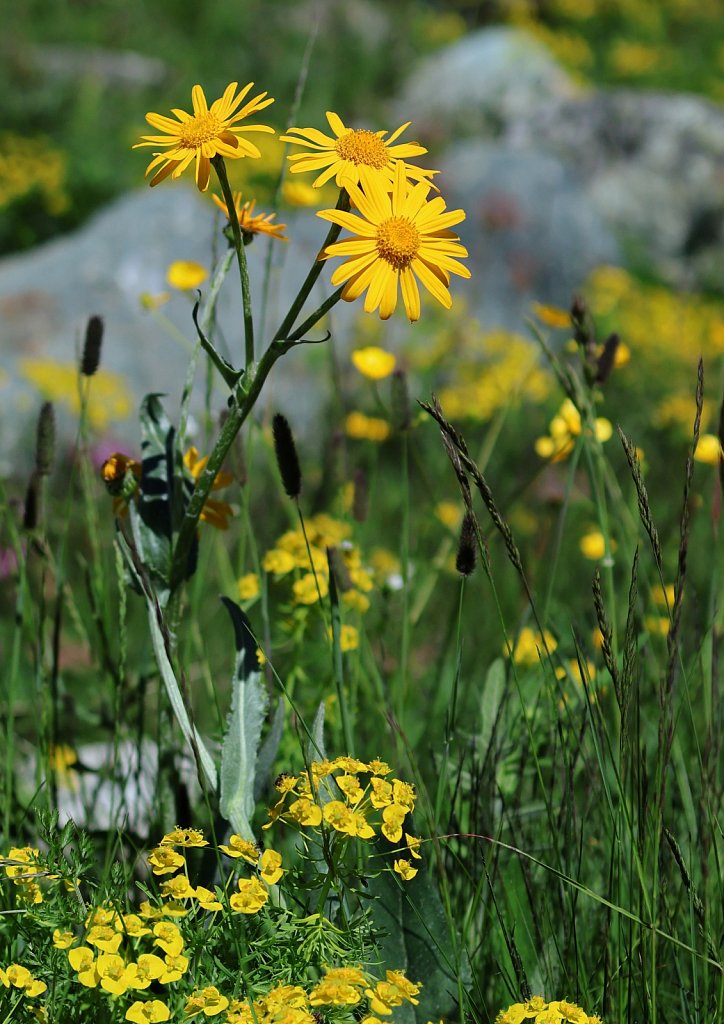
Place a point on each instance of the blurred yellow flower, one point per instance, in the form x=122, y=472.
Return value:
x=552, y=316
x=186, y=274
x=565, y=427
x=299, y=193
x=309, y=588
x=449, y=513
x=366, y=428
x=663, y=596
x=374, y=362
x=149, y=301
x=215, y=513
x=278, y=561
x=207, y=133
x=593, y=545
x=709, y=450
x=108, y=397
x=348, y=638
x=248, y=586
x=530, y=648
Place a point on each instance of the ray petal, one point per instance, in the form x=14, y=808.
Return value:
x=336, y=124
x=350, y=221
x=199, y=101
x=410, y=294
x=433, y=284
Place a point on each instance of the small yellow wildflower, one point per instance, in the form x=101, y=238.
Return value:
x=552, y=316
x=404, y=869
x=168, y=938
x=305, y=812
x=393, y=816
x=278, y=561
x=565, y=427
x=271, y=869
x=593, y=545
x=366, y=428
x=152, y=302
x=207, y=899
x=178, y=888
x=310, y=588
x=208, y=132
x=184, y=837
x=348, y=637
x=208, y=1001
x=239, y=847
x=334, y=992
x=663, y=596
x=164, y=860
x=709, y=450
x=449, y=513
x=151, y=1012
x=186, y=274
x=298, y=193
x=114, y=973
x=250, y=898
x=248, y=586
x=63, y=940
x=374, y=362
x=250, y=223
x=529, y=644
x=215, y=513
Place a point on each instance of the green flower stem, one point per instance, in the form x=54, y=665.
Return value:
x=245, y=397
x=311, y=278
x=220, y=168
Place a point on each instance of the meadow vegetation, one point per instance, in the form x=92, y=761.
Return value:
x=417, y=720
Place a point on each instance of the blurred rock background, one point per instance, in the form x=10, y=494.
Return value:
x=575, y=133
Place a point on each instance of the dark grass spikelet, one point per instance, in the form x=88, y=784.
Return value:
x=643, y=498
x=607, y=358
x=31, y=505
x=457, y=451
x=360, y=496
x=720, y=433
x=607, y=635
x=286, y=454
x=91, y=358
x=630, y=650
x=467, y=546
x=401, y=414
x=45, y=439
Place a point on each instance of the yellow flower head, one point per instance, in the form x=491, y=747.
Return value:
x=148, y=1013
x=593, y=545
x=366, y=428
x=400, y=237
x=374, y=362
x=208, y=1001
x=248, y=586
x=529, y=644
x=709, y=450
x=186, y=274
x=552, y=316
x=404, y=869
x=250, y=223
x=271, y=867
x=344, y=156
x=207, y=133
x=250, y=898
x=239, y=847
x=185, y=836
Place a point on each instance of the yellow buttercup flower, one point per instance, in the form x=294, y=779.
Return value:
x=374, y=362
x=593, y=545
x=250, y=223
x=271, y=869
x=208, y=132
x=215, y=513
x=186, y=274
x=348, y=638
x=404, y=869
x=709, y=450
x=565, y=427
x=344, y=156
x=250, y=898
x=529, y=644
x=400, y=237
x=366, y=428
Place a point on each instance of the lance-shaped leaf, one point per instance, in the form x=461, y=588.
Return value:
x=243, y=731
x=162, y=495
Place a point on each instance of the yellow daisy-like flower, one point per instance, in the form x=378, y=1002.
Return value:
x=208, y=132
x=374, y=362
x=352, y=149
x=215, y=513
x=400, y=237
x=250, y=223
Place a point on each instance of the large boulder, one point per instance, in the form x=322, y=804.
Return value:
x=650, y=166
x=47, y=295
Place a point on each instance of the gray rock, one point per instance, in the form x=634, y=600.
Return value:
x=650, y=165
x=480, y=83
x=530, y=229
x=47, y=295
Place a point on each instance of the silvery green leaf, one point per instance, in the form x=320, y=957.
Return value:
x=243, y=731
